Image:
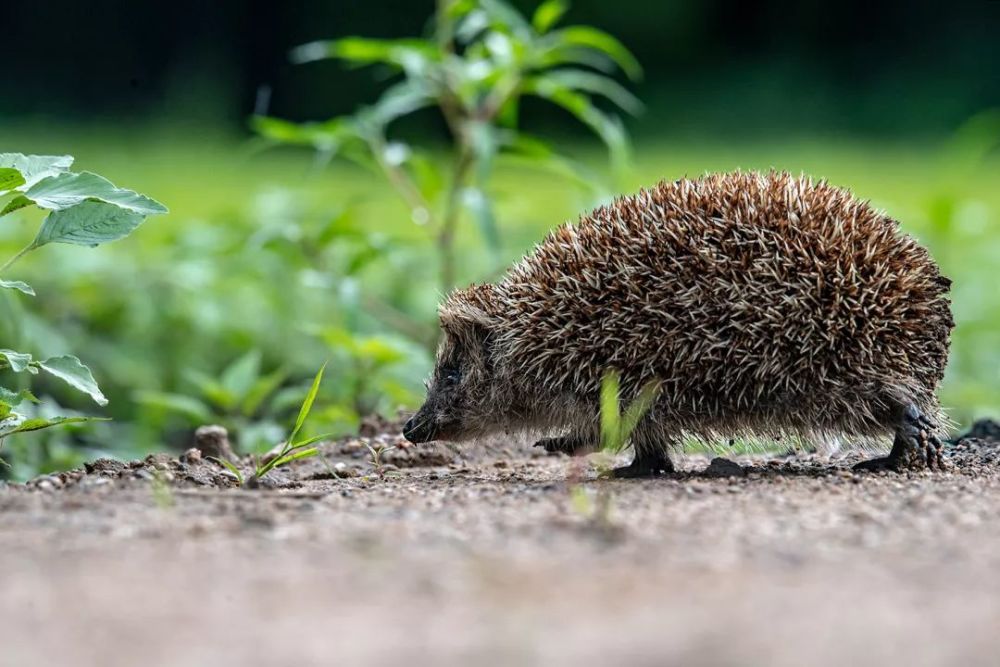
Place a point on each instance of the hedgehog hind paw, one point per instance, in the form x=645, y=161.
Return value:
x=645, y=465
x=915, y=447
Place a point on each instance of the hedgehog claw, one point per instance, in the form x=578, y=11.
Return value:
x=915, y=447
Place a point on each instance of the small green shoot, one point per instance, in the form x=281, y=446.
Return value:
x=376, y=459
x=162, y=495
x=616, y=427
x=292, y=449
x=230, y=467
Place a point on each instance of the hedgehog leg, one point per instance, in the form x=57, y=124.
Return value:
x=573, y=444
x=915, y=447
x=650, y=460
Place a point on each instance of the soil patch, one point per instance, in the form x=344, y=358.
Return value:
x=502, y=555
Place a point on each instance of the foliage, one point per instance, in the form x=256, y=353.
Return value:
x=83, y=209
x=616, y=426
x=481, y=61
x=292, y=449
x=262, y=253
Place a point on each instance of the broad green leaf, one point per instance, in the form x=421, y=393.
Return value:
x=15, y=204
x=18, y=285
x=598, y=84
x=472, y=25
x=36, y=167
x=69, y=369
x=89, y=223
x=307, y=404
x=591, y=38
x=16, y=361
x=65, y=190
x=10, y=178
x=548, y=14
x=39, y=423
x=193, y=409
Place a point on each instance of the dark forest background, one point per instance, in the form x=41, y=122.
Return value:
x=719, y=66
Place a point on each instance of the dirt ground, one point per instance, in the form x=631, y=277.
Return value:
x=501, y=555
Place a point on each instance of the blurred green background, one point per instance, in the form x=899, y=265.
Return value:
x=271, y=261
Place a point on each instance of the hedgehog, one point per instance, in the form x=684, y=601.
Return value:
x=762, y=305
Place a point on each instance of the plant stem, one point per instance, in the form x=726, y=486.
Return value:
x=446, y=237
x=24, y=251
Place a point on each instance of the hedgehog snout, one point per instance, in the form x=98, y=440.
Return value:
x=419, y=428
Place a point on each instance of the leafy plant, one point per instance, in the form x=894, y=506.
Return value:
x=481, y=61
x=616, y=426
x=292, y=449
x=375, y=453
x=83, y=209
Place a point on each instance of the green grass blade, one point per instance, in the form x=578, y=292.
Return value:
x=307, y=404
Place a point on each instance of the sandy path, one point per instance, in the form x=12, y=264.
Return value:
x=490, y=561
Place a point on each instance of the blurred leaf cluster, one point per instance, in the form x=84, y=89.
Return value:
x=481, y=61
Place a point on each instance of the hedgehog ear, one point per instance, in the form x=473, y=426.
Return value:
x=467, y=322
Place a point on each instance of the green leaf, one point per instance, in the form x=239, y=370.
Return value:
x=261, y=389
x=66, y=190
x=413, y=55
x=34, y=168
x=17, y=361
x=548, y=14
x=315, y=438
x=284, y=460
x=89, y=223
x=15, y=204
x=230, y=467
x=598, y=84
x=610, y=412
x=15, y=398
x=69, y=369
x=39, y=423
x=504, y=17
x=600, y=41
x=193, y=409
x=307, y=404
x=18, y=285
x=398, y=100
x=608, y=128
x=10, y=178
x=638, y=408
x=238, y=378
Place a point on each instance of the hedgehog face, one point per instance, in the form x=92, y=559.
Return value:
x=457, y=387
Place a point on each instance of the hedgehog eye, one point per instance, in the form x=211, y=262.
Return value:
x=452, y=376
